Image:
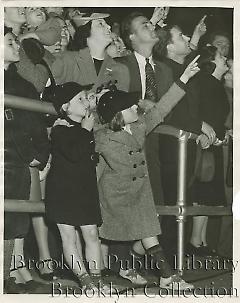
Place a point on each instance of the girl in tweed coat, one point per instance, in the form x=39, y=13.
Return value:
x=126, y=199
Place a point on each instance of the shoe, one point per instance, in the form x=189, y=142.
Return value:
x=193, y=250
x=208, y=252
x=32, y=286
x=47, y=276
x=85, y=282
x=104, y=288
x=175, y=282
x=10, y=287
x=106, y=272
x=133, y=276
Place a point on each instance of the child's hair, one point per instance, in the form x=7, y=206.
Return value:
x=117, y=123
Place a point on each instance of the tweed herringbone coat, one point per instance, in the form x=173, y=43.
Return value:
x=126, y=199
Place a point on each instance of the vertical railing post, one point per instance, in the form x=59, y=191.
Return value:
x=181, y=197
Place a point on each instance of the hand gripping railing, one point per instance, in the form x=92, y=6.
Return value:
x=180, y=210
x=183, y=137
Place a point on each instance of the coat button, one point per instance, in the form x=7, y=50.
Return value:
x=134, y=165
x=134, y=178
x=131, y=152
x=143, y=162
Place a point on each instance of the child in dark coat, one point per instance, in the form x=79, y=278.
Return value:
x=71, y=191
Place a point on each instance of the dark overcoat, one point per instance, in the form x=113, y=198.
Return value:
x=25, y=139
x=71, y=189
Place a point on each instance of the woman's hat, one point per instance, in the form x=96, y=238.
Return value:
x=64, y=93
x=80, y=20
x=7, y=30
x=115, y=101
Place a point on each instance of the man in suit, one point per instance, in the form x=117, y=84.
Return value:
x=132, y=74
x=174, y=48
x=139, y=35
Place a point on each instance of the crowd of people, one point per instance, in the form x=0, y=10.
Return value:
x=102, y=166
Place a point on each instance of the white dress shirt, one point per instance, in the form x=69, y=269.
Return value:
x=141, y=63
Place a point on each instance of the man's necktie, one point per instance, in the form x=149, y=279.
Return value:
x=151, y=86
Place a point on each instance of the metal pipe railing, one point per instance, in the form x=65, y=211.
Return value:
x=180, y=210
x=39, y=207
x=29, y=104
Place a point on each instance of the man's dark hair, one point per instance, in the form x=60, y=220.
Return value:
x=213, y=35
x=165, y=38
x=126, y=28
x=207, y=55
x=81, y=35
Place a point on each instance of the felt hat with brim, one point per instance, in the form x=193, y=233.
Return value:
x=115, y=101
x=82, y=20
x=64, y=93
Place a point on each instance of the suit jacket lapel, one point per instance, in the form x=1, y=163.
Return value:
x=159, y=76
x=135, y=78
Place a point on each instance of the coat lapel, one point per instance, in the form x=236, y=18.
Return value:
x=104, y=74
x=125, y=138
x=84, y=60
x=159, y=76
x=135, y=78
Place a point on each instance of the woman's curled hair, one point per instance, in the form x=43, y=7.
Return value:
x=80, y=38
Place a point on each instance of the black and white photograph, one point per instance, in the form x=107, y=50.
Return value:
x=119, y=157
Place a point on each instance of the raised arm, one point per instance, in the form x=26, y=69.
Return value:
x=175, y=93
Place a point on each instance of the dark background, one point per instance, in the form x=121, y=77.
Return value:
x=185, y=17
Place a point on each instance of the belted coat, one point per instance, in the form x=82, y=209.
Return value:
x=126, y=199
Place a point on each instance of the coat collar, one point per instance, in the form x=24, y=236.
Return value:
x=83, y=58
x=135, y=140
x=134, y=71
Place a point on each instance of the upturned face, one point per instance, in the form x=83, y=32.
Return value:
x=221, y=63
x=15, y=15
x=11, y=49
x=35, y=16
x=143, y=32
x=222, y=44
x=130, y=114
x=180, y=42
x=101, y=31
x=78, y=105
